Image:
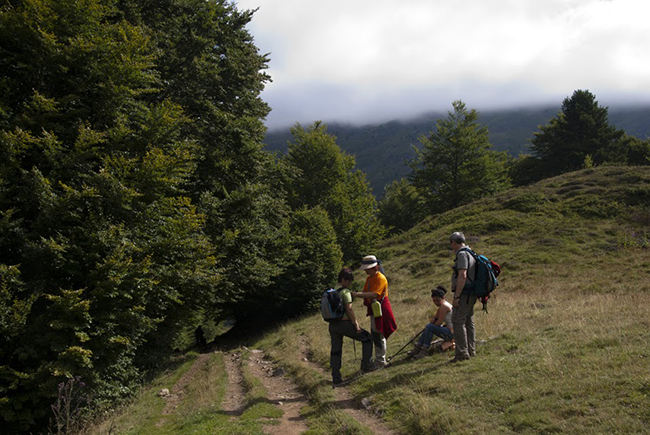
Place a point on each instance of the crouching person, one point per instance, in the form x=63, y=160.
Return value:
x=347, y=326
x=440, y=326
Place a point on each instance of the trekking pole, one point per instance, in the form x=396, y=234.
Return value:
x=404, y=347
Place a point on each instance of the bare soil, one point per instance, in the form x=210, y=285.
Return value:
x=281, y=391
x=345, y=400
x=178, y=391
x=233, y=403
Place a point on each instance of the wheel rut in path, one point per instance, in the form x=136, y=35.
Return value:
x=233, y=403
x=174, y=397
x=282, y=392
x=345, y=399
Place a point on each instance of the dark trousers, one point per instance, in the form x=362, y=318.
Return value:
x=344, y=328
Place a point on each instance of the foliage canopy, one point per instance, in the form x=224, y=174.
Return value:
x=455, y=165
x=135, y=194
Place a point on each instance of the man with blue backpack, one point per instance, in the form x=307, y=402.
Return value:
x=463, y=311
x=474, y=278
x=337, y=310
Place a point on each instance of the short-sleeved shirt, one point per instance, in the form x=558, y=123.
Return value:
x=464, y=260
x=346, y=298
x=377, y=283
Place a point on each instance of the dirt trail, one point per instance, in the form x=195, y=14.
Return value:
x=345, y=399
x=233, y=403
x=281, y=391
x=174, y=397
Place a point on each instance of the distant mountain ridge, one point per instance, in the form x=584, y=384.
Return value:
x=381, y=150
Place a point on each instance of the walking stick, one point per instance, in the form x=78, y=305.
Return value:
x=404, y=347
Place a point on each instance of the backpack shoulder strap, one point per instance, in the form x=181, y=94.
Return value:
x=472, y=254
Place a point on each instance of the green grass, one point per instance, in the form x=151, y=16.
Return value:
x=564, y=346
x=563, y=350
x=200, y=412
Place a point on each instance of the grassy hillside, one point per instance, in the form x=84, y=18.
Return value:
x=382, y=149
x=564, y=348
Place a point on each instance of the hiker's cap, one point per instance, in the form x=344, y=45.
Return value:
x=368, y=262
x=457, y=237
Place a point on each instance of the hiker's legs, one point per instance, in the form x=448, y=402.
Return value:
x=459, y=318
x=471, y=333
x=442, y=332
x=366, y=347
x=427, y=335
x=342, y=329
x=336, y=350
x=380, y=343
x=366, y=343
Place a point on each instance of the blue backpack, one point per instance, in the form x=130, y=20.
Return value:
x=331, y=305
x=485, y=277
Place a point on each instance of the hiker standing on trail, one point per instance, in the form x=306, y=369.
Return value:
x=347, y=326
x=382, y=321
x=463, y=315
x=440, y=325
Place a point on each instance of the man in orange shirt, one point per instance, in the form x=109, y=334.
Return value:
x=382, y=324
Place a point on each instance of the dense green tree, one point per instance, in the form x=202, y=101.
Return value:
x=325, y=176
x=525, y=170
x=455, y=164
x=638, y=153
x=314, y=267
x=581, y=131
x=129, y=132
x=212, y=68
x=401, y=207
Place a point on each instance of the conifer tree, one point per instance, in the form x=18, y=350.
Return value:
x=455, y=164
x=580, y=131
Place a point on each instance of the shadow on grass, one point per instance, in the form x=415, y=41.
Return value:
x=404, y=375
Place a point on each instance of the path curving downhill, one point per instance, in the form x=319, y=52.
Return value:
x=345, y=399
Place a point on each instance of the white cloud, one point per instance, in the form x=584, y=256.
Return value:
x=361, y=58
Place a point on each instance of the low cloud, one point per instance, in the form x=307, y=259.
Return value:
x=361, y=59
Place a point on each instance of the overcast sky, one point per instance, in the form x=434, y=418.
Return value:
x=370, y=61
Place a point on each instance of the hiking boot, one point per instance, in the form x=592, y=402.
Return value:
x=424, y=351
x=376, y=365
x=416, y=349
x=458, y=359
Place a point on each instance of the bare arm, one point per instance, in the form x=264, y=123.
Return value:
x=365, y=295
x=439, y=318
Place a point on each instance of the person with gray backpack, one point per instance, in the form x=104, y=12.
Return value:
x=345, y=325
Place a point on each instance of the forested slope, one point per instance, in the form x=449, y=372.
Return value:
x=382, y=149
